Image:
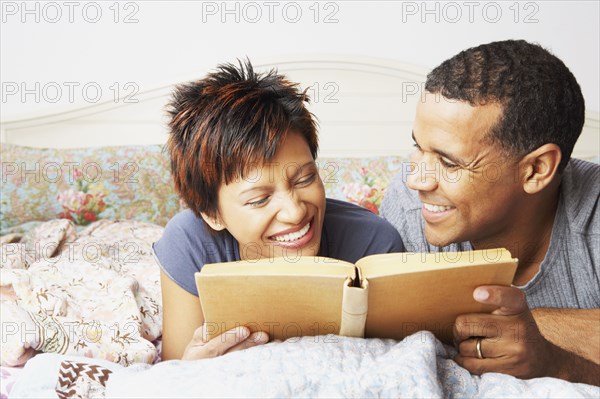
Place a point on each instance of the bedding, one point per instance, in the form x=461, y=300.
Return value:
x=324, y=366
x=94, y=293
x=134, y=183
x=80, y=293
x=41, y=184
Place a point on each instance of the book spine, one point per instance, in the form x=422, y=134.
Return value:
x=355, y=305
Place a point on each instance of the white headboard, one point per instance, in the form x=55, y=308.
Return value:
x=365, y=107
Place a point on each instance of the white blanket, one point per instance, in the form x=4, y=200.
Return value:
x=325, y=366
x=333, y=366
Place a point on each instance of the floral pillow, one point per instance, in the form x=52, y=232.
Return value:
x=361, y=181
x=134, y=182
x=85, y=184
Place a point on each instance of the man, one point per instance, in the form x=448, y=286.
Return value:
x=493, y=135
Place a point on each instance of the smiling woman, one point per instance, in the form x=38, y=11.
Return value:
x=243, y=147
x=280, y=210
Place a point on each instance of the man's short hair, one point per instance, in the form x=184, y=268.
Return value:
x=540, y=98
x=225, y=124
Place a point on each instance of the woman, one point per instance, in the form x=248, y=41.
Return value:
x=243, y=149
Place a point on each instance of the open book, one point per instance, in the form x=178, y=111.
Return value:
x=384, y=296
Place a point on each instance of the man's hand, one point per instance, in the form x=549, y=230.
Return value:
x=235, y=339
x=511, y=342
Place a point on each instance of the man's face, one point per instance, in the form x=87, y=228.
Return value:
x=469, y=190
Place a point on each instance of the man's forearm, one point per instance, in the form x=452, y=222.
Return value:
x=574, y=368
x=575, y=330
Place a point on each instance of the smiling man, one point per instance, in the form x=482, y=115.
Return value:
x=491, y=168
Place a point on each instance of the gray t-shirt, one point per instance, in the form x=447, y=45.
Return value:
x=569, y=274
x=349, y=233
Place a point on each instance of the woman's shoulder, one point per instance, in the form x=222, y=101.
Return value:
x=185, y=219
x=351, y=232
x=346, y=215
x=186, y=229
x=341, y=209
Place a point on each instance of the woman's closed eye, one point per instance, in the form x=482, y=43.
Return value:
x=255, y=203
x=306, y=180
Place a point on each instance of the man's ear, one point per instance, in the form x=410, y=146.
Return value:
x=540, y=167
x=213, y=222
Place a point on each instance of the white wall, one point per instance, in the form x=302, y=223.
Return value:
x=56, y=45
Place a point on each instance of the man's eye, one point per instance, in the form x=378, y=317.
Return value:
x=448, y=164
x=257, y=203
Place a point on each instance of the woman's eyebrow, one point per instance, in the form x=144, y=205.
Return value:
x=299, y=168
x=259, y=188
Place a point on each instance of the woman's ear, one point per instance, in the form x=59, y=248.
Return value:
x=540, y=167
x=213, y=222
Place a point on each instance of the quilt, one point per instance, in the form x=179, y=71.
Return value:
x=94, y=293
x=324, y=366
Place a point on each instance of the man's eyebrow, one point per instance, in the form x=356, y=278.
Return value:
x=444, y=154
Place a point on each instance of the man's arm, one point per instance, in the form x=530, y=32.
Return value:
x=515, y=344
x=572, y=367
x=574, y=330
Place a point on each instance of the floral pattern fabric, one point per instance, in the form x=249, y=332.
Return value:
x=8, y=376
x=129, y=182
x=83, y=203
x=361, y=181
x=134, y=183
x=95, y=293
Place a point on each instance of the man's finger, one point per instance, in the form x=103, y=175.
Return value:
x=510, y=300
x=468, y=348
x=478, y=366
x=478, y=325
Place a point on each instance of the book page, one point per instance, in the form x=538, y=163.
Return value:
x=303, y=265
x=428, y=293
x=281, y=298
x=410, y=262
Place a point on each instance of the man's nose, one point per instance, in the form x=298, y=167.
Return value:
x=423, y=176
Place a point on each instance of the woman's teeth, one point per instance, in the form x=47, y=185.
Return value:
x=293, y=236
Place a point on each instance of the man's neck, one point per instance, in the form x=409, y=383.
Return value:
x=530, y=237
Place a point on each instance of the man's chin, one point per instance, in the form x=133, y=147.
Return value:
x=438, y=240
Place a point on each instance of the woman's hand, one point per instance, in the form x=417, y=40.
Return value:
x=235, y=339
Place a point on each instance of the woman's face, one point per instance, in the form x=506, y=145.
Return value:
x=277, y=209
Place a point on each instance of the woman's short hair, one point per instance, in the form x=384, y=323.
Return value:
x=223, y=125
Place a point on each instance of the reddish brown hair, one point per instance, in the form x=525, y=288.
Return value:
x=227, y=122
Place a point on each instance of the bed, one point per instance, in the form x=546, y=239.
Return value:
x=86, y=191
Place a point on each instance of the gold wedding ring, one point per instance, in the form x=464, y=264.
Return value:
x=478, y=348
